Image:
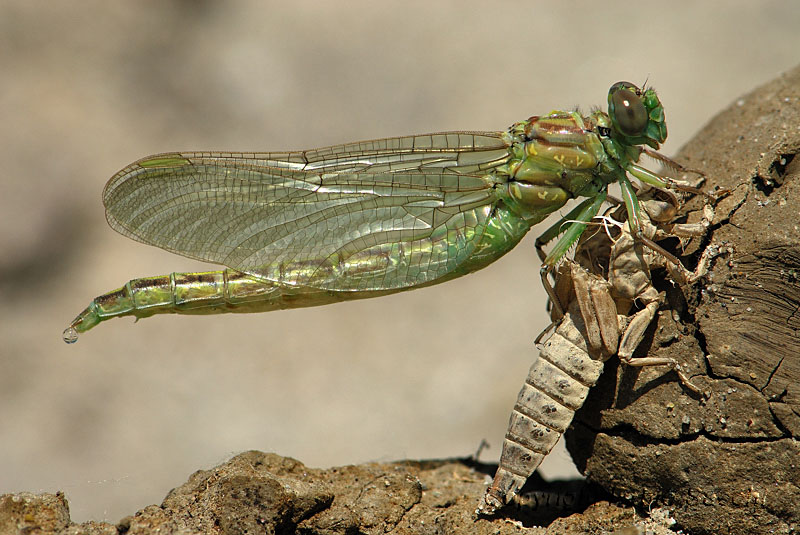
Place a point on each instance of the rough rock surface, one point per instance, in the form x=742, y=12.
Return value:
x=727, y=461
x=264, y=493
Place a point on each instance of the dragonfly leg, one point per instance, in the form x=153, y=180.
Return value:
x=631, y=205
x=662, y=181
x=558, y=227
x=576, y=221
x=672, y=164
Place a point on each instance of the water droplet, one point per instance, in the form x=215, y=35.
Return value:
x=70, y=335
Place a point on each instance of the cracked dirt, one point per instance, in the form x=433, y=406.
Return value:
x=726, y=462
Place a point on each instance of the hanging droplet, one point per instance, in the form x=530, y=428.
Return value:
x=70, y=335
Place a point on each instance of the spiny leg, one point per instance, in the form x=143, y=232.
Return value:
x=557, y=228
x=662, y=181
x=577, y=220
x=675, y=166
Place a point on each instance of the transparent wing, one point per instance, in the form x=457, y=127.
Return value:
x=383, y=214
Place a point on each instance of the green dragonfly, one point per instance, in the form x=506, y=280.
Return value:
x=298, y=229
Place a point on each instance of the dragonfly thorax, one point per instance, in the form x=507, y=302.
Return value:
x=555, y=158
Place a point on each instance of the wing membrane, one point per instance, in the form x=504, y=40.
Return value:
x=383, y=214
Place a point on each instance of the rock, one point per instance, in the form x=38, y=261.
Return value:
x=26, y=511
x=259, y=492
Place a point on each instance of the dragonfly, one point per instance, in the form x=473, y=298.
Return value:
x=371, y=218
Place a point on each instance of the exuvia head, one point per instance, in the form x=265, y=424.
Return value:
x=637, y=116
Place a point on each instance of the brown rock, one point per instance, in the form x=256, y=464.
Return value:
x=31, y=512
x=264, y=493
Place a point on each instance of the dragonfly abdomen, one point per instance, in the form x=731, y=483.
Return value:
x=210, y=292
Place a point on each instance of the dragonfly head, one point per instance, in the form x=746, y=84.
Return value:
x=637, y=116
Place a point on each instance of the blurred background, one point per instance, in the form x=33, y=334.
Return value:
x=130, y=411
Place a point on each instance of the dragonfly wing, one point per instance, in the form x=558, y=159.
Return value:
x=384, y=214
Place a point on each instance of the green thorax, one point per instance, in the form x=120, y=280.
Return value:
x=563, y=155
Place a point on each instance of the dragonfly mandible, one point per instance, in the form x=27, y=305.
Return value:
x=298, y=229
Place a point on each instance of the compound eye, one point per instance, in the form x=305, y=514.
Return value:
x=629, y=112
